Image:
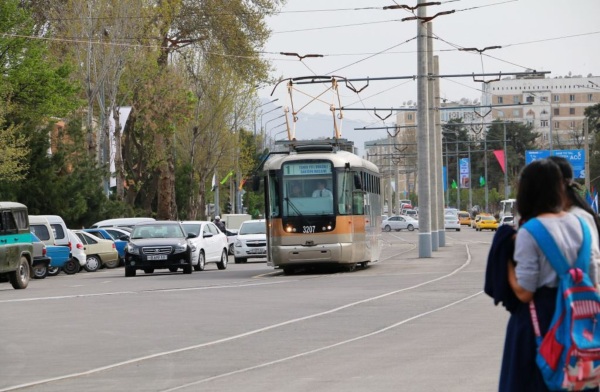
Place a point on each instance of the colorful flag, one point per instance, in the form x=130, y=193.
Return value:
x=214, y=182
x=454, y=185
x=481, y=181
x=224, y=180
x=242, y=184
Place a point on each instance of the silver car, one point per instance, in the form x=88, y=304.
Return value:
x=251, y=241
x=451, y=221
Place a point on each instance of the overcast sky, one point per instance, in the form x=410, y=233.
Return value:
x=534, y=34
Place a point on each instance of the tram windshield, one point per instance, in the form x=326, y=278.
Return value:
x=307, y=188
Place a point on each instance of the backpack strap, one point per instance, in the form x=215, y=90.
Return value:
x=544, y=239
x=584, y=256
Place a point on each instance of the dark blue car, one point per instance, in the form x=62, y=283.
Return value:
x=103, y=234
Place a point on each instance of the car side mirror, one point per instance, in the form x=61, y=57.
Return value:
x=191, y=235
x=124, y=238
x=207, y=235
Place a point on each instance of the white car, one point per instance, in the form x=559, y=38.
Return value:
x=209, y=246
x=231, y=237
x=77, y=251
x=399, y=222
x=117, y=233
x=251, y=241
x=451, y=221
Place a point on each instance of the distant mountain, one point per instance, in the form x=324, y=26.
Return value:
x=313, y=126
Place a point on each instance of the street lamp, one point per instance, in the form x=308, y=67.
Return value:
x=258, y=107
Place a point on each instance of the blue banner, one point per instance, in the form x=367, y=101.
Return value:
x=465, y=175
x=445, y=178
x=575, y=157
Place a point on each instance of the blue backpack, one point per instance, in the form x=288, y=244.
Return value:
x=569, y=354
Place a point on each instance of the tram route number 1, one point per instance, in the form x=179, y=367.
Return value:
x=308, y=229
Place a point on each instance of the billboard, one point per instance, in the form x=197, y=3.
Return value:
x=575, y=157
x=465, y=175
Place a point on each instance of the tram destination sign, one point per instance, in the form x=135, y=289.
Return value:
x=304, y=169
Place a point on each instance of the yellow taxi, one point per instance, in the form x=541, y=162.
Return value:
x=464, y=218
x=486, y=223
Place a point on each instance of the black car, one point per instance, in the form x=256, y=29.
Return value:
x=158, y=245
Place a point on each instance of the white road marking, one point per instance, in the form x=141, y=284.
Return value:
x=261, y=330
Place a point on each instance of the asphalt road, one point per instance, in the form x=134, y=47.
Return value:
x=403, y=324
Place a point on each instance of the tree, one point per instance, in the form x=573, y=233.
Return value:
x=592, y=114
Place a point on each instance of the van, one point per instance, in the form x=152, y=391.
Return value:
x=16, y=248
x=59, y=229
x=121, y=222
x=40, y=226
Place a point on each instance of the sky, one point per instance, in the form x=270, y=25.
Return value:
x=359, y=39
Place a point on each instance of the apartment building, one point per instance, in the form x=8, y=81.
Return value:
x=556, y=108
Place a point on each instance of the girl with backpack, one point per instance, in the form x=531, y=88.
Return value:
x=541, y=194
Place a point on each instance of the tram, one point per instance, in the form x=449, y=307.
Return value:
x=322, y=206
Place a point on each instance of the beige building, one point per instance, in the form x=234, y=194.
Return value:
x=557, y=105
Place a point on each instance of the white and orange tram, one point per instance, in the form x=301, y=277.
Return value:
x=322, y=206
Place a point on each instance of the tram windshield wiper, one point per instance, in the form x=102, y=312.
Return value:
x=296, y=210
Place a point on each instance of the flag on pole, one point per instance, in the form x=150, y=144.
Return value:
x=454, y=185
x=499, y=154
x=214, y=182
x=481, y=181
x=224, y=180
x=242, y=184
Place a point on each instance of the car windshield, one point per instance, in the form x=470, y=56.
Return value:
x=157, y=231
x=253, y=228
x=488, y=218
x=192, y=228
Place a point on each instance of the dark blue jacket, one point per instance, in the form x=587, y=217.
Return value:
x=496, y=273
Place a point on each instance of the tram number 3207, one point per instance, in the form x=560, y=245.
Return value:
x=308, y=229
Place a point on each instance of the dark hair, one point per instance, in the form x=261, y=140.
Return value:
x=573, y=189
x=541, y=189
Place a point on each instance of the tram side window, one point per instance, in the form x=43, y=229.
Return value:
x=344, y=183
x=358, y=203
x=273, y=195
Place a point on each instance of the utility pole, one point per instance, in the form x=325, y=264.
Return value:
x=506, y=165
x=423, y=155
x=432, y=143
x=438, y=153
x=586, y=153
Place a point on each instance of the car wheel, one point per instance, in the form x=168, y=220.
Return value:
x=223, y=263
x=201, y=262
x=71, y=266
x=410, y=228
x=350, y=267
x=40, y=271
x=112, y=263
x=458, y=229
x=53, y=271
x=173, y=269
x=148, y=270
x=289, y=270
x=239, y=260
x=129, y=272
x=387, y=228
x=19, y=279
x=92, y=263
x=187, y=269
x=231, y=250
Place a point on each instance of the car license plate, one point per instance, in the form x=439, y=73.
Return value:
x=257, y=251
x=157, y=257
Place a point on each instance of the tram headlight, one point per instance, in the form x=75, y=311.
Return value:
x=329, y=227
x=288, y=229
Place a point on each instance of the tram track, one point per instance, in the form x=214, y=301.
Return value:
x=137, y=360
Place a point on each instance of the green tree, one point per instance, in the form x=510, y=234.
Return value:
x=592, y=114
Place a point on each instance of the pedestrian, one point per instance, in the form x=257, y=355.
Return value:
x=321, y=191
x=220, y=223
x=541, y=194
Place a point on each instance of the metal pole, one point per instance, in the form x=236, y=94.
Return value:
x=551, y=118
x=470, y=179
x=586, y=152
x=457, y=173
x=438, y=153
x=485, y=162
x=432, y=149
x=423, y=155
x=505, y=166
x=447, y=175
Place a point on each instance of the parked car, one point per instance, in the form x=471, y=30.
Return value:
x=40, y=226
x=105, y=235
x=119, y=233
x=99, y=252
x=41, y=261
x=77, y=251
x=60, y=260
x=231, y=237
x=464, y=218
x=210, y=244
x=399, y=223
x=158, y=245
x=451, y=221
x=487, y=223
x=411, y=213
x=251, y=241
x=59, y=228
x=121, y=222
x=508, y=220
x=16, y=249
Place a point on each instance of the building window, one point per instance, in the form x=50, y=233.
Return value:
x=556, y=111
x=571, y=110
x=590, y=97
x=516, y=113
x=556, y=98
x=500, y=113
x=572, y=97
x=556, y=124
x=409, y=116
x=500, y=100
x=516, y=99
x=544, y=99
x=543, y=123
x=572, y=124
x=529, y=98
